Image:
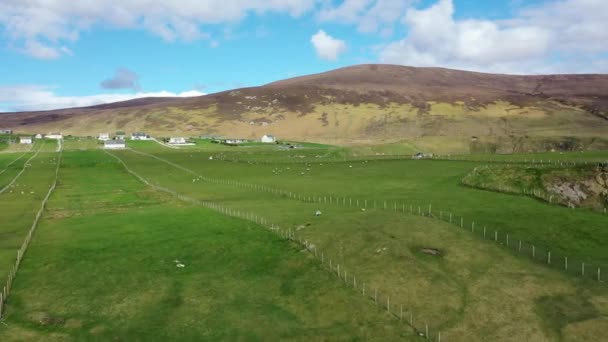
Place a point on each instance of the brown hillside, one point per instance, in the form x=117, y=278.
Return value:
x=359, y=103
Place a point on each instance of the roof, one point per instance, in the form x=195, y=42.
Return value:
x=137, y=134
x=114, y=142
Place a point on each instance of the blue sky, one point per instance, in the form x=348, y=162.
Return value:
x=63, y=53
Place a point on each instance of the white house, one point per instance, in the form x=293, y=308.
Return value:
x=269, y=139
x=6, y=131
x=56, y=136
x=177, y=140
x=140, y=136
x=114, y=144
x=39, y=136
x=25, y=140
x=104, y=136
x=120, y=135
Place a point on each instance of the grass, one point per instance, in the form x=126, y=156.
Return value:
x=574, y=233
x=101, y=267
x=452, y=293
x=20, y=203
x=475, y=289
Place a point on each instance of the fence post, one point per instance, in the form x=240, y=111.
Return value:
x=548, y=257
x=566, y=263
x=583, y=268
x=598, y=274
x=533, y=251
x=461, y=222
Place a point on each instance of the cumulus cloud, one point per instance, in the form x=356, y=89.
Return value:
x=528, y=43
x=368, y=15
x=35, y=97
x=123, y=79
x=40, y=27
x=326, y=46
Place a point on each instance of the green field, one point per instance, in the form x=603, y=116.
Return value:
x=102, y=265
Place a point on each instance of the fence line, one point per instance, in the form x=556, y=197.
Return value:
x=305, y=160
x=527, y=248
x=13, y=162
x=6, y=290
x=321, y=257
x=25, y=165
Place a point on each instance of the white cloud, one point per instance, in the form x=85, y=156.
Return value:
x=326, y=46
x=34, y=97
x=41, y=27
x=368, y=15
x=528, y=43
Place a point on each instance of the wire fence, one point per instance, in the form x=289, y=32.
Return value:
x=383, y=301
x=6, y=290
x=529, y=249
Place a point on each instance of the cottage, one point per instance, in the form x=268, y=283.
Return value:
x=268, y=139
x=114, y=144
x=39, y=136
x=140, y=136
x=177, y=141
x=104, y=136
x=25, y=140
x=120, y=135
x=6, y=131
x=56, y=136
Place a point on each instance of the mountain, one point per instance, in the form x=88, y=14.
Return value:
x=363, y=103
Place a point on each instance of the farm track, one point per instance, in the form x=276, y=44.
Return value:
x=454, y=220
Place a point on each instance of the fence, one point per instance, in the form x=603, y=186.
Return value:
x=528, y=249
x=383, y=302
x=25, y=165
x=6, y=290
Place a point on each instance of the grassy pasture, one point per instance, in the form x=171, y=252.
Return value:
x=20, y=203
x=102, y=267
x=459, y=294
x=130, y=235
x=576, y=233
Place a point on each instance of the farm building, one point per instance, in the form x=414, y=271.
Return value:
x=114, y=144
x=177, y=140
x=269, y=139
x=140, y=136
x=104, y=136
x=25, y=140
x=39, y=136
x=120, y=135
x=6, y=131
x=56, y=136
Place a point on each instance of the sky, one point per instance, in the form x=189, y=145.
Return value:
x=64, y=53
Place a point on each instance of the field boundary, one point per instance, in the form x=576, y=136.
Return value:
x=381, y=301
x=25, y=165
x=6, y=290
x=519, y=247
x=14, y=161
